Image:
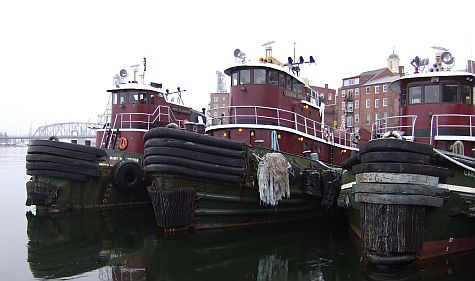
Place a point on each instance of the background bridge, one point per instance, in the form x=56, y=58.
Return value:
x=70, y=131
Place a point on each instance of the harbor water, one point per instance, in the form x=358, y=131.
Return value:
x=126, y=245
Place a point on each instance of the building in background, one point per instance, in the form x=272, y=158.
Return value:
x=365, y=98
x=328, y=95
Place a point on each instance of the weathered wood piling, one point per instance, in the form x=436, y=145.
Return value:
x=395, y=183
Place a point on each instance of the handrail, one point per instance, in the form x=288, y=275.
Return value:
x=436, y=124
x=281, y=117
x=380, y=126
x=133, y=118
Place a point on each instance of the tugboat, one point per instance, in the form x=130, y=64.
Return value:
x=262, y=163
x=67, y=176
x=273, y=107
x=413, y=197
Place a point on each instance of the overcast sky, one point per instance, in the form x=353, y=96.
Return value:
x=58, y=57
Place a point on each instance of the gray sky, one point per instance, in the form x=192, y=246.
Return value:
x=58, y=57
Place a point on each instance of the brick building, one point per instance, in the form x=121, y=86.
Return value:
x=218, y=104
x=365, y=98
x=329, y=100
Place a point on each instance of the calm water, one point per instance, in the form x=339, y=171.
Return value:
x=125, y=245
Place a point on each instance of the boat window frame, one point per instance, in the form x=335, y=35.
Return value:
x=409, y=102
x=241, y=71
x=274, y=82
x=122, y=97
x=234, y=78
x=435, y=86
x=132, y=94
x=254, y=71
x=443, y=85
x=463, y=98
x=114, y=97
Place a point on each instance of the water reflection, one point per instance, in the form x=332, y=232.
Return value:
x=125, y=245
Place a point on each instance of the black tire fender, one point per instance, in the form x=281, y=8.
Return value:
x=127, y=176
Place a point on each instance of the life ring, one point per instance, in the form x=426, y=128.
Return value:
x=123, y=142
x=127, y=176
x=392, y=135
x=355, y=138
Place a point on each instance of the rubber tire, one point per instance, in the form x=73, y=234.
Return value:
x=127, y=176
x=193, y=164
x=70, y=146
x=192, y=173
x=58, y=174
x=396, y=156
x=165, y=142
x=395, y=145
x=48, y=150
x=193, y=155
x=406, y=168
x=62, y=168
x=194, y=137
x=61, y=160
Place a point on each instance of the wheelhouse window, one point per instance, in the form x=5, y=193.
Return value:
x=133, y=97
x=234, y=78
x=431, y=94
x=273, y=77
x=122, y=97
x=114, y=98
x=296, y=86
x=143, y=97
x=289, y=83
x=415, y=94
x=466, y=94
x=259, y=76
x=282, y=80
x=244, y=76
x=449, y=93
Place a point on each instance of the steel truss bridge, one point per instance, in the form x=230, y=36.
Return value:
x=78, y=131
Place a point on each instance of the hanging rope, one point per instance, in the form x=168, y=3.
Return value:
x=274, y=141
x=273, y=178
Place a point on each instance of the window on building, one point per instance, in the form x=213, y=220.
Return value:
x=259, y=76
x=350, y=93
x=449, y=93
x=343, y=93
x=385, y=88
x=216, y=99
x=215, y=105
x=431, y=94
x=329, y=96
x=244, y=76
x=368, y=119
x=376, y=103
x=224, y=98
x=273, y=77
x=376, y=116
x=376, y=89
x=349, y=121
x=234, y=78
x=385, y=115
x=385, y=102
x=415, y=94
x=466, y=93
x=368, y=89
x=350, y=106
x=357, y=118
x=215, y=114
x=357, y=104
x=368, y=103
x=357, y=91
x=343, y=106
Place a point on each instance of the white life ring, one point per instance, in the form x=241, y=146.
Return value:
x=392, y=135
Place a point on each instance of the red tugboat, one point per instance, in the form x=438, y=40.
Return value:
x=68, y=176
x=272, y=106
x=415, y=180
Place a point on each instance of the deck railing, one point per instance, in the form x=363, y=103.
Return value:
x=452, y=127
x=386, y=124
x=262, y=115
x=140, y=120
